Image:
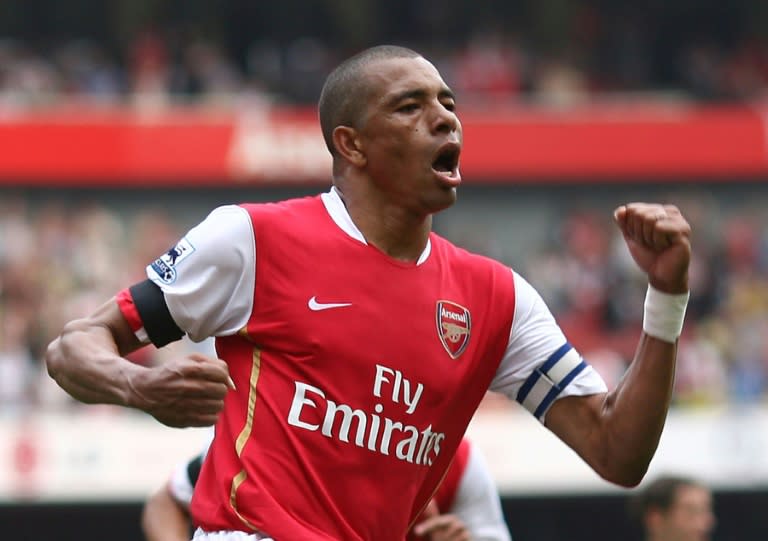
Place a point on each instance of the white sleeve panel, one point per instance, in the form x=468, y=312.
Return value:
x=180, y=485
x=477, y=502
x=540, y=365
x=208, y=278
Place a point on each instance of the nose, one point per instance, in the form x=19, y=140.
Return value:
x=445, y=121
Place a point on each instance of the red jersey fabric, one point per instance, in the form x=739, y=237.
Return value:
x=357, y=376
x=446, y=492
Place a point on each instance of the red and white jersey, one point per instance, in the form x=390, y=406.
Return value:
x=467, y=491
x=357, y=374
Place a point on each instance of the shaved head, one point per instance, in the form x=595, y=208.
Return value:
x=346, y=90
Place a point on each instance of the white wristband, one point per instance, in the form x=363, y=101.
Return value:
x=664, y=314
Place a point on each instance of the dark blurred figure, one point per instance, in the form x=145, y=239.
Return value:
x=674, y=508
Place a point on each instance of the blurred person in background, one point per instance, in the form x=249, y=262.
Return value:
x=466, y=507
x=674, y=508
x=312, y=427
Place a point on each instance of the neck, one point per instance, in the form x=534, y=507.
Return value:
x=390, y=227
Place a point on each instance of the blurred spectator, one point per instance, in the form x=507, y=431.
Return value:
x=674, y=508
x=16, y=362
x=88, y=73
x=208, y=72
x=148, y=68
x=490, y=69
x=559, y=82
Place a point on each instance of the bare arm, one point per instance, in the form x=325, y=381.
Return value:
x=87, y=361
x=165, y=519
x=617, y=433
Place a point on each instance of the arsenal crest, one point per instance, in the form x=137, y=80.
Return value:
x=453, y=326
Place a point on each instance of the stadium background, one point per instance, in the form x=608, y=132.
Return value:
x=123, y=123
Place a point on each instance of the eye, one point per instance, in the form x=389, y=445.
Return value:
x=408, y=108
x=450, y=105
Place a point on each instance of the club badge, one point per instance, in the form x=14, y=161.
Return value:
x=453, y=327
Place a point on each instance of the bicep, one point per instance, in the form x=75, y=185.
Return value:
x=207, y=280
x=540, y=366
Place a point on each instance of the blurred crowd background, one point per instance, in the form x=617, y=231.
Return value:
x=228, y=51
x=62, y=253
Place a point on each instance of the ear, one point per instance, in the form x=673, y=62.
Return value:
x=348, y=146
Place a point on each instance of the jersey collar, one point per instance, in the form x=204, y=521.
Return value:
x=338, y=212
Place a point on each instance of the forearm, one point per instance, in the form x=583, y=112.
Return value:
x=617, y=433
x=86, y=363
x=637, y=408
x=634, y=413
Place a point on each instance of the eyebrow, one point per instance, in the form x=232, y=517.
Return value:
x=419, y=94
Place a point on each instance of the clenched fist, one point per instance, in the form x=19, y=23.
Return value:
x=659, y=239
x=183, y=392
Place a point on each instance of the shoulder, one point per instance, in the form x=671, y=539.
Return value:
x=285, y=207
x=456, y=255
x=224, y=235
x=223, y=221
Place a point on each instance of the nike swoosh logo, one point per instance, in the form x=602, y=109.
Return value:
x=317, y=306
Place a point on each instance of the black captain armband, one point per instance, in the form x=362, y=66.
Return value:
x=153, y=311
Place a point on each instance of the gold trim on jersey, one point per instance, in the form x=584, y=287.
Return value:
x=243, y=333
x=245, y=434
x=236, y=482
x=248, y=428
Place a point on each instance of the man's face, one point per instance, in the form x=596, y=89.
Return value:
x=690, y=518
x=410, y=134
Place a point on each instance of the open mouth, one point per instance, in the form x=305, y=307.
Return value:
x=447, y=160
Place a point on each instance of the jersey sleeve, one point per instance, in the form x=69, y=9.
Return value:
x=540, y=365
x=181, y=484
x=477, y=502
x=207, y=279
